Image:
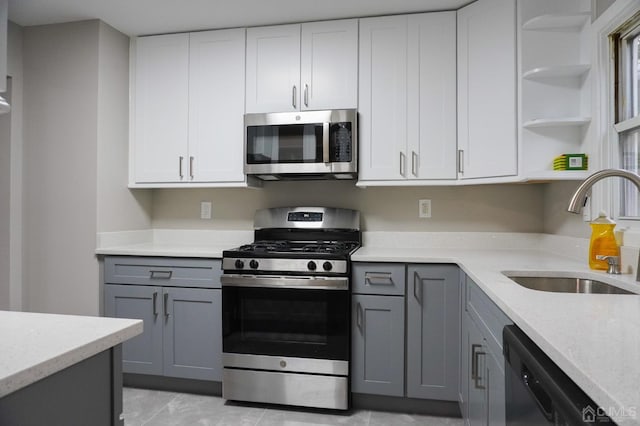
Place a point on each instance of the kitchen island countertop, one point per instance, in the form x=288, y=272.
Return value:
x=35, y=345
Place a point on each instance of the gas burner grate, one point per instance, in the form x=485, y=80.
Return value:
x=331, y=247
x=266, y=246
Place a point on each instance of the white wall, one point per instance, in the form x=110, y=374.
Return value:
x=5, y=206
x=60, y=115
x=557, y=220
x=11, y=289
x=118, y=208
x=75, y=156
x=496, y=208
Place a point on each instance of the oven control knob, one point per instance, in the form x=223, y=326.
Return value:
x=239, y=264
x=311, y=265
x=253, y=264
x=327, y=266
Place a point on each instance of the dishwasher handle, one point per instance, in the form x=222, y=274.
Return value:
x=539, y=395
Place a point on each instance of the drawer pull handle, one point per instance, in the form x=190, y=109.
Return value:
x=161, y=275
x=378, y=278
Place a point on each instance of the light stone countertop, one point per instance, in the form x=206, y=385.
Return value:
x=34, y=345
x=594, y=338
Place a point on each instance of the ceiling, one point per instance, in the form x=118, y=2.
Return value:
x=142, y=17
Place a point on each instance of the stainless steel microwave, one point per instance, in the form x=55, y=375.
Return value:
x=301, y=145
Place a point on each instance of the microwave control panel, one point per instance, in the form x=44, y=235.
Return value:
x=340, y=142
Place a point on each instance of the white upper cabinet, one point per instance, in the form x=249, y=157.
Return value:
x=432, y=96
x=273, y=69
x=383, y=98
x=216, y=105
x=487, y=87
x=329, y=65
x=302, y=67
x=407, y=104
x=161, y=108
x=187, y=109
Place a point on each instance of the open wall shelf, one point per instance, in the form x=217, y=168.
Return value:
x=559, y=71
x=557, y=22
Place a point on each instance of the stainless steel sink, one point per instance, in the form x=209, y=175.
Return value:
x=567, y=285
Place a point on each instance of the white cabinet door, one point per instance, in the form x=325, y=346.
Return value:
x=383, y=98
x=161, y=108
x=273, y=69
x=487, y=108
x=431, y=119
x=216, y=105
x=329, y=65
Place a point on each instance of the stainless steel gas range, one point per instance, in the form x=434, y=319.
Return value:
x=286, y=308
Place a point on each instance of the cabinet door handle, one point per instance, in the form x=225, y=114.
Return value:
x=293, y=97
x=461, y=161
x=477, y=379
x=417, y=289
x=414, y=163
x=155, y=303
x=360, y=318
x=166, y=305
x=306, y=95
x=191, y=167
x=474, y=361
x=378, y=278
x=180, y=167
x=403, y=161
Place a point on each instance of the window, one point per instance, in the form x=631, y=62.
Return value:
x=626, y=46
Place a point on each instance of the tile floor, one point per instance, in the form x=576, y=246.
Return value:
x=144, y=407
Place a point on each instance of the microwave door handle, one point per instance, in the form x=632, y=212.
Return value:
x=325, y=143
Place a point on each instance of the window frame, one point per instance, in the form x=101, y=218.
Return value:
x=607, y=193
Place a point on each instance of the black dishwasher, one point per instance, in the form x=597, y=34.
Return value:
x=537, y=392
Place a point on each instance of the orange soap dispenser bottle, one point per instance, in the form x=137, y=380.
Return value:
x=603, y=241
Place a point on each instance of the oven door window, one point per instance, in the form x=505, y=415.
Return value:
x=291, y=143
x=286, y=322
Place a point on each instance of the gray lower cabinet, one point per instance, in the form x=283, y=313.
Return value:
x=182, y=334
x=433, y=336
x=431, y=341
x=143, y=353
x=482, y=388
x=378, y=345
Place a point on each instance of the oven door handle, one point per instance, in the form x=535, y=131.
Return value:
x=319, y=283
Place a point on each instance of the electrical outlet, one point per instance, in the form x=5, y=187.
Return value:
x=205, y=210
x=424, y=209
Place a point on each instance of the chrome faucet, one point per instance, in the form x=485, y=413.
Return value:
x=579, y=198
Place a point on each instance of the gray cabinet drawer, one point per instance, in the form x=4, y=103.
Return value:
x=378, y=278
x=486, y=315
x=175, y=272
